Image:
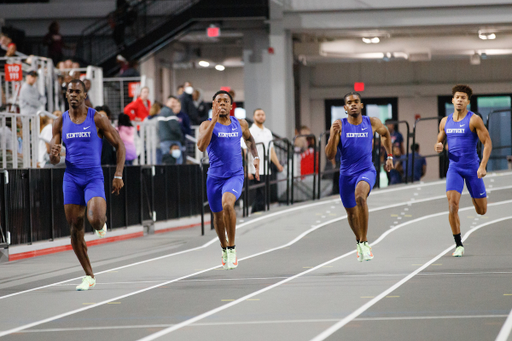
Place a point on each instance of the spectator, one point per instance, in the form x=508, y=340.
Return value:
x=420, y=164
x=261, y=135
x=130, y=70
x=138, y=110
x=179, y=90
x=233, y=107
x=7, y=132
x=127, y=133
x=53, y=40
x=87, y=83
x=117, y=21
x=108, y=152
x=7, y=45
x=31, y=101
x=153, y=113
x=154, y=110
x=396, y=137
x=184, y=119
x=68, y=64
x=45, y=137
x=172, y=157
x=200, y=105
x=187, y=103
x=169, y=127
x=76, y=65
x=395, y=174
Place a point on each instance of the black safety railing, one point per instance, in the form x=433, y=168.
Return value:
x=407, y=150
x=441, y=156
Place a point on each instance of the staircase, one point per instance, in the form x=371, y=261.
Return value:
x=152, y=24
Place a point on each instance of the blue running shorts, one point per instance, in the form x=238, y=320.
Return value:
x=348, y=185
x=216, y=187
x=455, y=181
x=79, y=189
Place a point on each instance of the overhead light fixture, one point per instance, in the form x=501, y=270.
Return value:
x=374, y=40
x=486, y=35
x=220, y=67
x=204, y=63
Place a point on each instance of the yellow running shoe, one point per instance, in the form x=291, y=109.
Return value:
x=87, y=283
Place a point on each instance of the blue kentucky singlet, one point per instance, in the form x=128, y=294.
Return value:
x=355, y=146
x=224, y=150
x=461, y=142
x=83, y=145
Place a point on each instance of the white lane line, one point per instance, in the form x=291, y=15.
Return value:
x=245, y=224
x=56, y=317
x=505, y=329
x=188, y=280
x=242, y=299
x=328, y=332
x=241, y=323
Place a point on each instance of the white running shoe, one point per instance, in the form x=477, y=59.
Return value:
x=359, y=253
x=232, y=261
x=366, y=250
x=224, y=259
x=87, y=283
x=459, y=251
x=101, y=233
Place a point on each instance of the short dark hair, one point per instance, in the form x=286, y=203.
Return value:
x=168, y=98
x=254, y=112
x=174, y=144
x=124, y=120
x=105, y=109
x=415, y=147
x=389, y=121
x=79, y=82
x=462, y=88
x=222, y=92
x=352, y=93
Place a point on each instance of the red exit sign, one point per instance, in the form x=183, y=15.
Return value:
x=213, y=32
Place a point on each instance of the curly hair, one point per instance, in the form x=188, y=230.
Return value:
x=462, y=88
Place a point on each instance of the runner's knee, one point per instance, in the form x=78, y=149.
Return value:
x=360, y=199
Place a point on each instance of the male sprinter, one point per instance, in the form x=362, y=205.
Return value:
x=462, y=129
x=220, y=136
x=352, y=137
x=82, y=129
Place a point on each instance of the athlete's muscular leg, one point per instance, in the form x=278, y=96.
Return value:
x=362, y=191
x=96, y=210
x=220, y=228
x=453, y=207
x=228, y=208
x=75, y=215
x=353, y=221
x=480, y=205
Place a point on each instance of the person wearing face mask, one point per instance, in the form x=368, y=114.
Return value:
x=138, y=110
x=187, y=103
x=169, y=128
x=173, y=156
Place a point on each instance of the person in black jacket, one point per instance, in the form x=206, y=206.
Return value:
x=169, y=128
x=108, y=153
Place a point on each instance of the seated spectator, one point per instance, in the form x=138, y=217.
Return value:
x=179, y=90
x=108, y=152
x=130, y=70
x=173, y=156
x=154, y=110
x=138, y=110
x=420, y=164
x=127, y=133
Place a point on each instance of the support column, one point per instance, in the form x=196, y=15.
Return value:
x=268, y=75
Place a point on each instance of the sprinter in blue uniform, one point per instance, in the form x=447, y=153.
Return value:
x=462, y=129
x=220, y=136
x=352, y=138
x=82, y=129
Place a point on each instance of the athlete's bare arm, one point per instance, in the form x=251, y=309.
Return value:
x=55, y=143
x=438, y=147
x=104, y=126
x=383, y=131
x=205, y=134
x=251, y=146
x=334, y=140
x=477, y=125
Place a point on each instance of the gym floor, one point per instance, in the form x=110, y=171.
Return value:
x=297, y=279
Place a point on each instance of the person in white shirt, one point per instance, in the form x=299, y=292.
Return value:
x=261, y=135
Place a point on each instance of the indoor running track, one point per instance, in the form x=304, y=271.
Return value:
x=297, y=279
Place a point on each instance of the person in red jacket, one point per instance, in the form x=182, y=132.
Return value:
x=138, y=110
